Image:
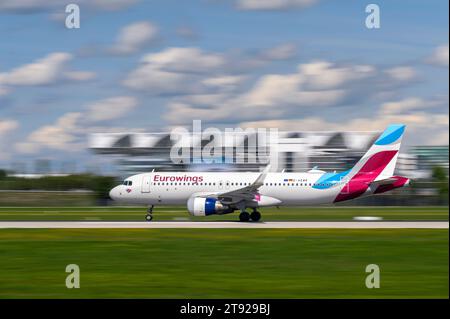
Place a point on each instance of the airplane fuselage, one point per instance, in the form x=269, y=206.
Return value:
x=285, y=189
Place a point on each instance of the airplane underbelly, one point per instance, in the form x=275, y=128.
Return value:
x=170, y=197
x=310, y=196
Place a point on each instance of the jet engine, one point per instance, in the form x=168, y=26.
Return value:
x=204, y=206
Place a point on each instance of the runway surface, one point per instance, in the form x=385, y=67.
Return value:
x=187, y=224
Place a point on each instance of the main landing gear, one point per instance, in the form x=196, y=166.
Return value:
x=244, y=216
x=254, y=216
x=149, y=215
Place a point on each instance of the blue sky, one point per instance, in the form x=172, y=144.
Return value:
x=229, y=63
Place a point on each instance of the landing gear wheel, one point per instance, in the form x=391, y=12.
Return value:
x=255, y=216
x=244, y=217
x=149, y=217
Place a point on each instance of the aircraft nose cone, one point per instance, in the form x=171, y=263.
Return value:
x=113, y=193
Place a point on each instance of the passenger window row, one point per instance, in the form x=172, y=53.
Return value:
x=240, y=184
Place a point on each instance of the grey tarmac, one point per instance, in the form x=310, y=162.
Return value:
x=230, y=224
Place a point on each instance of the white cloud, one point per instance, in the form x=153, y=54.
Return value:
x=402, y=73
x=134, y=37
x=422, y=127
x=187, y=32
x=171, y=71
x=110, y=108
x=80, y=75
x=419, y=123
x=61, y=135
x=409, y=104
x=273, y=4
x=323, y=75
x=272, y=90
x=318, y=84
x=112, y=4
x=3, y=90
x=26, y=147
x=51, y=69
x=152, y=80
x=280, y=52
x=439, y=56
x=42, y=71
x=26, y=6
x=225, y=82
x=181, y=71
x=68, y=131
x=315, y=84
x=187, y=60
x=7, y=126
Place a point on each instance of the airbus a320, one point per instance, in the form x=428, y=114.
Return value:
x=209, y=193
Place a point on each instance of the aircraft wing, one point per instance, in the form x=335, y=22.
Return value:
x=244, y=193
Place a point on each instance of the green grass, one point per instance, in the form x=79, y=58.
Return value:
x=180, y=213
x=43, y=198
x=223, y=263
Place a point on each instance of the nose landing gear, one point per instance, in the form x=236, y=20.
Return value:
x=149, y=215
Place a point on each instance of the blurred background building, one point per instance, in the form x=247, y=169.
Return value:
x=428, y=157
x=294, y=152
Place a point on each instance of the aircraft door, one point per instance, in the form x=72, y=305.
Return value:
x=146, y=180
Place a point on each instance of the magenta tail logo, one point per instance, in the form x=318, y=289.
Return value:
x=359, y=183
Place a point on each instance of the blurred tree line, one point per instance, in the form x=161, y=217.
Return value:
x=440, y=178
x=100, y=185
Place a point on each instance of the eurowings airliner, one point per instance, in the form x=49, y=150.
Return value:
x=208, y=193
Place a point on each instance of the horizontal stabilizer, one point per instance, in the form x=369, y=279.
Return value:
x=385, y=181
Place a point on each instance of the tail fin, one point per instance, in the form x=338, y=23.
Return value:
x=381, y=158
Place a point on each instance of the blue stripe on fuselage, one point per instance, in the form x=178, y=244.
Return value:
x=328, y=180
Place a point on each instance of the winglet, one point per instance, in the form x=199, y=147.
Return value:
x=260, y=180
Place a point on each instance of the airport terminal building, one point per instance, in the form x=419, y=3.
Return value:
x=291, y=151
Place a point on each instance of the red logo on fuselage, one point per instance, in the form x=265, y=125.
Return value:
x=172, y=178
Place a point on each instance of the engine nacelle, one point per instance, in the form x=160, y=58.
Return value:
x=204, y=206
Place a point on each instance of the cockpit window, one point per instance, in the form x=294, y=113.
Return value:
x=130, y=183
x=127, y=183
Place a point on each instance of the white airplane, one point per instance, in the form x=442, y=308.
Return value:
x=208, y=193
